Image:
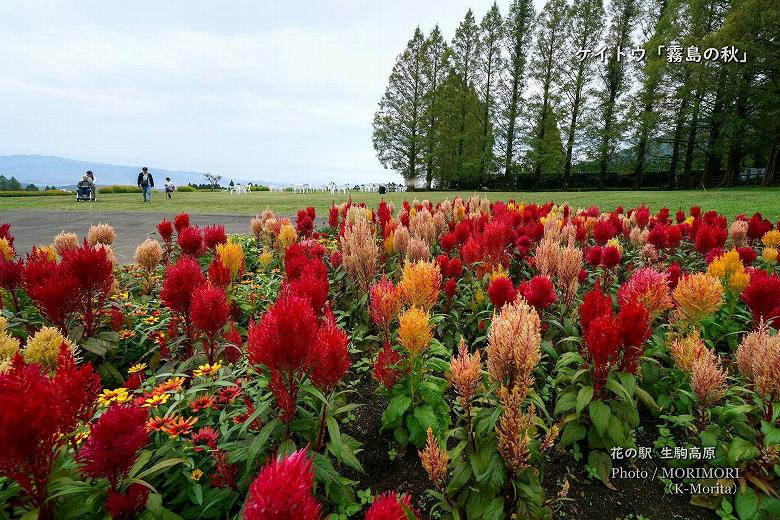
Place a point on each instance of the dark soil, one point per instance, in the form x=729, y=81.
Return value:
x=586, y=498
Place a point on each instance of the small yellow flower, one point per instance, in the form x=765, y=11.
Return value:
x=287, y=236
x=138, y=367
x=207, y=370
x=196, y=475
x=126, y=333
x=770, y=255
x=614, y=242
x=479, y=296
x=156, y=400
x=499, y=272
x=6, y=251
x=118, y=395
x=151, y=320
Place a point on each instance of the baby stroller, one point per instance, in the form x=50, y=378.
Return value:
x=85, y=190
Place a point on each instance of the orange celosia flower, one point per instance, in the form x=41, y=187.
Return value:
x=359, y=249
x=729, y=269
x=434, y=460
x=465, y=374
x=708, y=380
x=385, y=302
x=420, y=283
x=514, y=430
x=514, y=342
x=648, y=287
x=771, y=238
x=414, y=330
x=180, y=426
x=685, y=350
x=231, y=256
x=758, y=358
x=698, y=296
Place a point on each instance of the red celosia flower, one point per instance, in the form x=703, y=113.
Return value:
x=593, y=256
x=50, y=287
x=762, y=296
x=539, y=291
x=673, y=273
x=610, y=256
x=633, y=321
x=758, y=226
x=210, y=310
x=712, y=254
x=388, y=507
x=117, y=318
x=94, y=273
x=181, y=221
x=125, y=505
x=191, y=241
x=385, y=367
x=214, y=235
x=657, y=236
x=748, y=255
x=285, y=390
x=642, y=215
x=300, y=257
x=219, y=275
x=602, y=341
x=312, y=284
x=5, y=232
x=11, y=274
x=335, y=259
x=113, y=443
x=384, y=302
x=165, y=228
x=501, y=291
x=37, y=414
x=450, y=287
x=329, y=358
x=283, y=491
x=673, y=236
x=181, y=279
x=333, y=216
x=594, y=304
x=603, y=231
x=304, y=223
x=283, y=337
x=709, y=237
x=448, y=241
x=679, y=216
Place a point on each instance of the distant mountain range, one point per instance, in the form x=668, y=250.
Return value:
x=47, y=170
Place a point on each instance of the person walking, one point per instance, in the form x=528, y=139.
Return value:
x=169, y=188
x=146, y=183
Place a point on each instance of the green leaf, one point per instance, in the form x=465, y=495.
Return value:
x=746, y=504
x=426, y=418
x=602, y=463
x=565, y=403
x=771, y=433
x=110, y=375
x=741, y=450
x=335, y=437
x=628, y=381
x=599, y=415
x=572, y=433
x=647, y=400
x=167, y=463
x=494, y=510
x=401, y=436
x=618, y=389
x=396, y=409
x=583, y=398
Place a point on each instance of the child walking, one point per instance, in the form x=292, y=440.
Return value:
x=169, y=188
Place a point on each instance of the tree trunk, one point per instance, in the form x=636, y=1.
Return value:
x=771, y=164
x=676, y=143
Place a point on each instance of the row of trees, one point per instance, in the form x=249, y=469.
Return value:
x=510, y=102
x=14, y=185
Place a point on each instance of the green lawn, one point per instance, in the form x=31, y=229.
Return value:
x=729, y=202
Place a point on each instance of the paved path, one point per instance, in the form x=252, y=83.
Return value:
x=38, y=227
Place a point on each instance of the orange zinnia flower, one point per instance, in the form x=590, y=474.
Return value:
x=169, y=385
x=180, y=426
x=158, y=423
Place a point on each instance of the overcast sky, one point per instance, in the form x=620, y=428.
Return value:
x=282, y=91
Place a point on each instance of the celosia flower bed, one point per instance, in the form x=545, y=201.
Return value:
x=229, y=376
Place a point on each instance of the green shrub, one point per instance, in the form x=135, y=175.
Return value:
x=186, y=188
x=259, y=187
x=119, y=188
x=22, y=193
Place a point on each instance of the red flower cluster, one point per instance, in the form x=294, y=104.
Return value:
x=125, y=505
x=37, y=414
x=181, y=279
x=304, y=221
x=283, y=491
x=329, y=357
x=214, y=235
x=94, y=275
x=113, y=443
x=539, y=291
x=181, y=221
x=389, y=507
x=762, y=296
x=501, y=291
x=210, y=312
x=307, y=274
x=165, y=228
x=385, y=368
x=608, y=256
x=191, y=241
x=282, y=338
